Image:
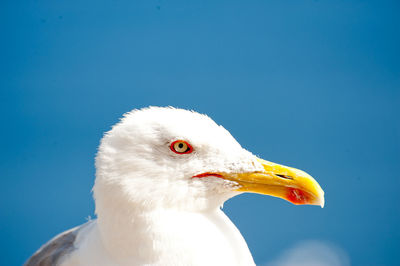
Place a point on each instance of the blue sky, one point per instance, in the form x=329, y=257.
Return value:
x=310, y=84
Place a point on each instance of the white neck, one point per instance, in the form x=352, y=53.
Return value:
x=173, y=236
x=165, y=229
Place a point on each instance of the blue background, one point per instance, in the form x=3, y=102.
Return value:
x=310, y=84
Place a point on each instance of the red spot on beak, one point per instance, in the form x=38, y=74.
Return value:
x=298, y=196
x=207, y=175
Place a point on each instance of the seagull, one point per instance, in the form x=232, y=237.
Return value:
x=162, y=176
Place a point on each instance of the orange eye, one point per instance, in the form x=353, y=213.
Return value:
x=181, y=147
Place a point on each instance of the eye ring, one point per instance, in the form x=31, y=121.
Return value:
x=181, y=147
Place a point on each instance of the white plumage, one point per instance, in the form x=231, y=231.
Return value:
x=158, y=207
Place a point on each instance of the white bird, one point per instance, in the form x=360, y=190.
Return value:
x=162, y=175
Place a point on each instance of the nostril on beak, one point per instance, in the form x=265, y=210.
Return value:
x=284, y=176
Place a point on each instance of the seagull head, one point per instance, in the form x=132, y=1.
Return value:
x=178, y=159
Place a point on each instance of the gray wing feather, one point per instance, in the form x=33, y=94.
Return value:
x=53, y=251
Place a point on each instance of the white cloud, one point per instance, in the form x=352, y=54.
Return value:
x=312, y=253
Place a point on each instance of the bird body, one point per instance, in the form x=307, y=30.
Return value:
x=162, y=175
x=170, y=238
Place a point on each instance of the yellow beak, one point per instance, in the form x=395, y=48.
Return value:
x=280, y=181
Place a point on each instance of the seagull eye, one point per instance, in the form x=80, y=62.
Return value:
x=181, y=147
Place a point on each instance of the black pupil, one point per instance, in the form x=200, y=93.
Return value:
x=180, y=145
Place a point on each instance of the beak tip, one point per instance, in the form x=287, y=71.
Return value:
x=322, y=202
